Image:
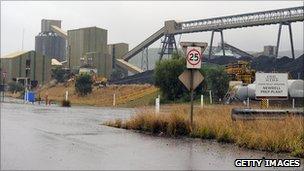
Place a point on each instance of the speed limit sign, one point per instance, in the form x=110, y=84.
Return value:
x=194, y=57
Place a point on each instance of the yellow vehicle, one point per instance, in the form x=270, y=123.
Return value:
x=240, y=71
x=99, y=80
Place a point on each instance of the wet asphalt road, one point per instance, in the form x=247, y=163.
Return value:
x=40, y=137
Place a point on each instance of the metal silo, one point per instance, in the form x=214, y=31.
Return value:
x=50, y=43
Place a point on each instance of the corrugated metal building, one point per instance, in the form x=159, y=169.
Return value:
x=89, y=46
x=26, y=64
x=46, y=24
x=117, y=51
x=50, y=43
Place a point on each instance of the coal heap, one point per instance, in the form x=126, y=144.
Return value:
x=268, y=64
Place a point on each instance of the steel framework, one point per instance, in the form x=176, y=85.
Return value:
x=283, y=16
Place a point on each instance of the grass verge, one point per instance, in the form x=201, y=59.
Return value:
x=214, y=122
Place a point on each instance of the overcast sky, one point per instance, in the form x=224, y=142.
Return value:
x=133, y=21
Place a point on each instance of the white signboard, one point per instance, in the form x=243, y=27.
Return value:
x=194, y=57
x=271, y=85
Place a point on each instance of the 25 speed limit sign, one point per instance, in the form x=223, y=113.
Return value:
x=194, y=57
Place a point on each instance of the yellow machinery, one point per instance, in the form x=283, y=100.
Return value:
x=240, y=71
x=99, y=80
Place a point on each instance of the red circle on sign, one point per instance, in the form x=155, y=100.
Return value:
x=199, y=57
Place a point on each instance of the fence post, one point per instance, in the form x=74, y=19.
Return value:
x=293, y=103
x=157, y=104
x=202, y=100
x=66, y=95
x=114, y=99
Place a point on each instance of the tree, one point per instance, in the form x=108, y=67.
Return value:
x=166, y=75
x=216, y=80
x=83, y=84
x=166, y=78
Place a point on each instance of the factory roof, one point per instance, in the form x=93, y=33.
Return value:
x=14, y=54
x=88, y=28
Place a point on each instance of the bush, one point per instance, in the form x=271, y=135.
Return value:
x=217, y=81
x=83, y=84
x=15, y=87
x=61, y=75
x=166, y=77
x=65, y=103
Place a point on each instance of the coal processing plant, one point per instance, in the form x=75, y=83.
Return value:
x=82, y=49
x=49, y=43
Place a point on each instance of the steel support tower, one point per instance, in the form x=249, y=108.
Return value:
x=290, y=36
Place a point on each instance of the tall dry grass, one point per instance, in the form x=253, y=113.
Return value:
x=98, y=97
x=214, y=122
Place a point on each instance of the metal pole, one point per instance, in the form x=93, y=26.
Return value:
x=210, y=97
x=293, y=103
x=3, y=90
x=210, y=47
x=278, y=41
x=147, y=57
x=191, y=95
x=291, y=41
x=222, y=39
x=247, y=98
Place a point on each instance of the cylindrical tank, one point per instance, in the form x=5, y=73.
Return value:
x=296, y=88
x=242, y=92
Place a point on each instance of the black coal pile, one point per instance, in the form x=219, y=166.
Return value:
x=269, y=64
x=223, y=60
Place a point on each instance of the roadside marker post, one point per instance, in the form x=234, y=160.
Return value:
x=114, y=99
x=192, y=77
x=66, y=95
x=202, y=101
x=157, y=104
x=210, y=97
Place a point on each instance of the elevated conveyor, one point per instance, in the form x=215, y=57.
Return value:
x=285, y=15
x=59, y=31
x=237, y=50
x=154, y=37
x=243, y=20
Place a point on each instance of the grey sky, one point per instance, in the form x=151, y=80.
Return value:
x=133, y=21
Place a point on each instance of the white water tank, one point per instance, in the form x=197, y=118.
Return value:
x=242, y=92
x=295, y=88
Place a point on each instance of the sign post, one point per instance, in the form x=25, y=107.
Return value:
x=191, y=77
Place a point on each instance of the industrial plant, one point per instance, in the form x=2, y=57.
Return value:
x=78, y=50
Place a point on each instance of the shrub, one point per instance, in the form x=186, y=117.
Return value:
x=166, y=77
x=65, y=103
x=216, y=80
x=83, y=84
x=61, y=75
